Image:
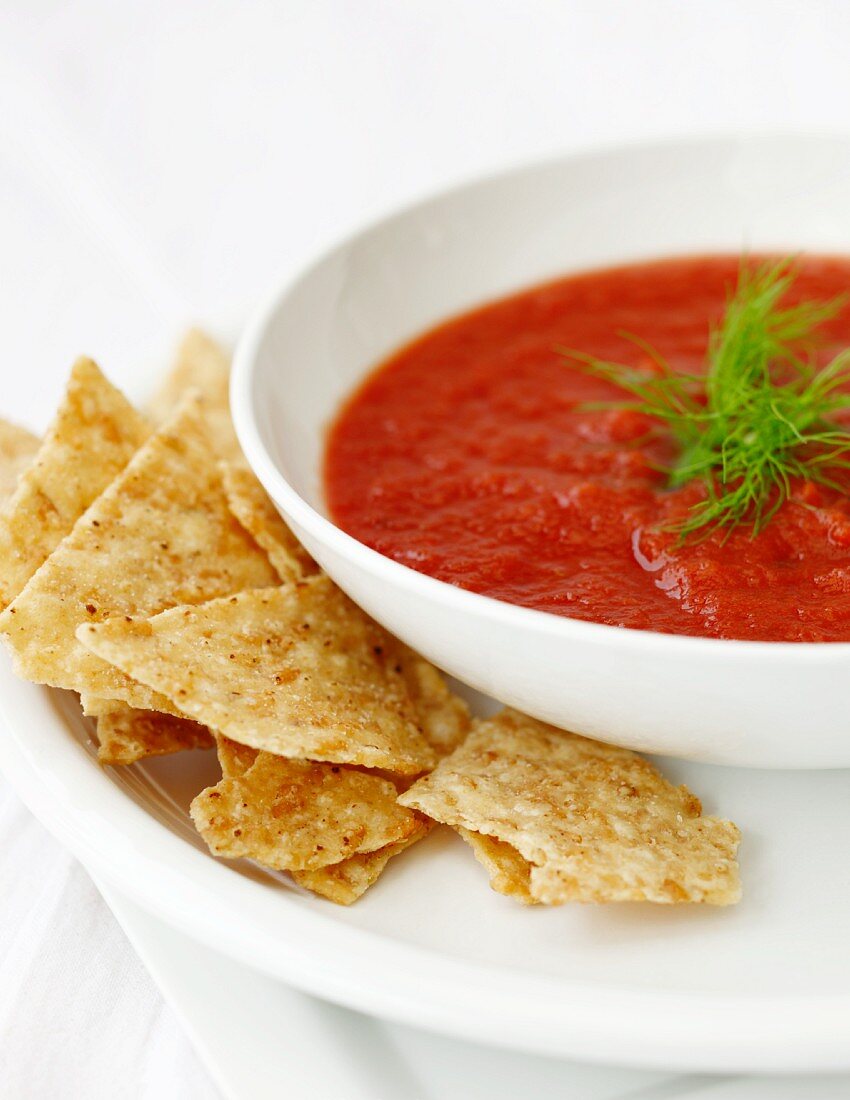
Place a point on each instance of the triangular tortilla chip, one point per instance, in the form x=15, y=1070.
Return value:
x=94, y=435
x=342, y=882
x=203, y=365
x=297, y=670
x=17, y=450
x=127, y=735
x=160, y=535
x=253, y=507
x=443, y=716
x=299, y=814
x=595, y=822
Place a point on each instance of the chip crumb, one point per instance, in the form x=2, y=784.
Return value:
x=594, y=822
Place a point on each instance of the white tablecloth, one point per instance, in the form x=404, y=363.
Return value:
x=162, y=163
x=79, y=1015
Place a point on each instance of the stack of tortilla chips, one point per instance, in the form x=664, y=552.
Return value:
x=143, y=566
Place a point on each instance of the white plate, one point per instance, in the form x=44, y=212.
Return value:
x=285, y=1036
x=323, y=1051
x=765, y=986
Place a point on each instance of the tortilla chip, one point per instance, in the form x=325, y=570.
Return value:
x=297, y=670
x=94, y=706
x=94, y=435
x=235, y=759
x=127, y=735
x=443, y=716
x=160, y=535
x=254, y=509
x=17, y=450
x=444, y=720
x=342, y=882
x=299, y=814
x=348, y=880
x=595, y=822
x=203, y=365
x=509, y=873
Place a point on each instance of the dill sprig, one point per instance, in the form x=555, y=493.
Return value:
x=760, y=417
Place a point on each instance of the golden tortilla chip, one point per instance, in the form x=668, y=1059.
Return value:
x=443, y=716
x=94, y=435
x=127, y=735
x=595, y=822
x=342, y=882
x=203, y=365
x=299, y=814
x=160, y=535
x=349, y=880
x=509, y=873
x=17, y=450
x=254, y=509
x=297, y=670
x=235, y=759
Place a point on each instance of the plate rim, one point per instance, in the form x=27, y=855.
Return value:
x=370, y=972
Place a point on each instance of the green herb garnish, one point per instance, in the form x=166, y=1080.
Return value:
x=762, y=414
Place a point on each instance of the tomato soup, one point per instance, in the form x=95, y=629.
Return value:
x=471, y=455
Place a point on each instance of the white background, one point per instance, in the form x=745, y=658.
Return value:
x=163, y=162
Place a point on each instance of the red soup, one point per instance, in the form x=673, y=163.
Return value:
x=470, y=455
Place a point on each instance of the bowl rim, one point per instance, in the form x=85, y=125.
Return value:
x=452, y=597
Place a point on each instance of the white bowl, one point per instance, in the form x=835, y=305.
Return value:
x=777, y=705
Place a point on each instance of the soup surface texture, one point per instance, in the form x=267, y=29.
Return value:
x=470, y=455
